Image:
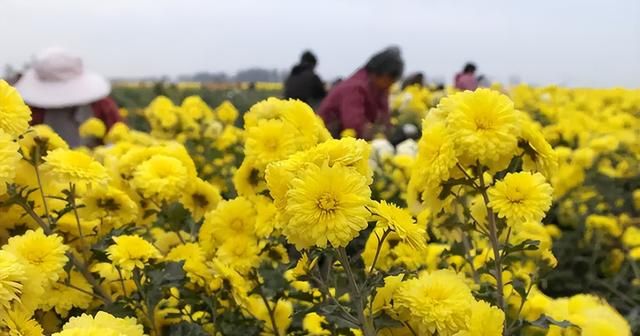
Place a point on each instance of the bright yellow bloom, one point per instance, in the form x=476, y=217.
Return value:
x=112, y=206
x=269, y=141
x=12, y=274
x=201, y=198
x=63, y=298
x=41, y=255
x=131, y=252
x=231, y=218
x=240, y=252
x=520, y=197
x=194, y=262
x=18, y=322
x=71, y=166
x=9, y=158
x=102, y=324
x=539, y=156
x=384, y=295
x=436, y=302
x=117, y=132
x=483, y=126
x=282, y=312
x=326, y=205
x=196, y=108
x=605, y=224
x=14, y=113
x=312, y=324
x=92, y=127
x=486, y=320
x=390, y=216
x=44, y=138
x=227, y=113
x=161, y=177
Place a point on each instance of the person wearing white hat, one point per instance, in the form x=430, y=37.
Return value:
x=62, y=94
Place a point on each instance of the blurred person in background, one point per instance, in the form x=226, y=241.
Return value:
x=361, y=102
x=62, y=94
x=303, y=83
x=466, y=80
x=414, y=79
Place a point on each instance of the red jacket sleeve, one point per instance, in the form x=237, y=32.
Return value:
x=352, y=111
x=106, y=110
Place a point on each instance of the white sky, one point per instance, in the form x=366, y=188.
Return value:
x=571, y=42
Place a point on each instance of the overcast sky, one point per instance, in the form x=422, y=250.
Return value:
x=574, y=42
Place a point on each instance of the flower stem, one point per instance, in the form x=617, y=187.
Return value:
x=380, y=242
x=271, y=312
x=39, y=179
x=495, y=244
x=366, y=324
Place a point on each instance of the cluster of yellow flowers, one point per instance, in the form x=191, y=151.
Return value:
x=199, y=226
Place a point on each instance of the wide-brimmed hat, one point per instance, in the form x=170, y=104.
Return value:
x=57, y=78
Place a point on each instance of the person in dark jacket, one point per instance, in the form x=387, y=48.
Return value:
x=303, y=83
x=361, y=102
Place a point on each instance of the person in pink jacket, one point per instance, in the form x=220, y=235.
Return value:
x=466, y=80
x=361, y=102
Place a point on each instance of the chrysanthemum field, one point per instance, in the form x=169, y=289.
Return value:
x=515, y=212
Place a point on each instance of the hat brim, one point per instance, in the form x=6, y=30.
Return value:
x=85, y=89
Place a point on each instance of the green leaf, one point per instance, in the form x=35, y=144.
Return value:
x=386, y=321
x=185, y=329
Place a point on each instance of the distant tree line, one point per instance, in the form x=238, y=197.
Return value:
x=254, y=74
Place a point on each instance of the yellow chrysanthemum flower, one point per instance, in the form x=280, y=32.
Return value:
x=92, y=127
x=102, y=324
x=269, y=141
x=131, y=251
x=347, y=152
x=9, y=158
x=63, y=298
x=161, y=177
x=194, y=262
x=14, y=113
x=282, y=314
x=486, y=320
x=538, y=154
x=390, y=216
x=112, y=206
x=201, y=198
x=231, y=218
x=483, y=126
x=71, y=166
x=117, y=132
x=438, y=302
x=384, y=295
x=42, y=136
x=196, y=108
x=521, y=197
x=312, y=324
x=326, y=205
x=270, y=108
x=227, y=113
x=240, y=252
x=12, y=274
x=18, y=322
x=41, y=255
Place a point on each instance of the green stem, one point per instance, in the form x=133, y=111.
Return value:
x=495, y=244
x=271, y=312
x=380, y=242
x=72, y=200
x=366, y=324
x=39, y=179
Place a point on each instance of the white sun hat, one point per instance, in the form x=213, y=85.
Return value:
x=57, y=79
